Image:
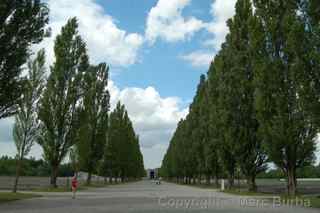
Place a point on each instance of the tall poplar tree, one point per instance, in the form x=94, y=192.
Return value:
x=122, y=157
x=26, y=127
x=59, y=103
x=197, y=133
x=226, y=108
x=213, y=150
x=93, y=116
x=251, y=155
x=280, y=39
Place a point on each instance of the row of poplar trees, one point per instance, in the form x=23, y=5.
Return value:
x=259, y=102
x=65, y=110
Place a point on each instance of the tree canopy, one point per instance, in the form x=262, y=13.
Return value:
x=22, y=23
x=259, y=101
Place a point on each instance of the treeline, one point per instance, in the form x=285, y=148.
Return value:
x=310, y=171
x=259, y=102
x=32, y=167
x=67, y=111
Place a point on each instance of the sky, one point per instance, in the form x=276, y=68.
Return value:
x=156, y=50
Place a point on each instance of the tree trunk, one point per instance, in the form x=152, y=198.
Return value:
x=54, y=175
x=231, y=180
x=89, y=177
x=216, y=181
x=252, y=184
x=193, y=180
x=16, y=180
x=216, y=177
x=208, y=179
x=199, y=179
x=291, y=182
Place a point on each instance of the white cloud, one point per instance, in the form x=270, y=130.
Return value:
x=105, y=41
x=221, y=10
x=154, y=117
x=199, y=58
x=153, y=154
x=9, y=149
x=6, y=128
x=165, y=21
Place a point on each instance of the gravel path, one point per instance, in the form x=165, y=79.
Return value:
x=145, y=196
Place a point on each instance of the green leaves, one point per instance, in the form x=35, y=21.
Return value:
x=22, y=23
x=62, y=95
x=122, y=157
x=26, y=127
x=93, y=117
x=261, y=96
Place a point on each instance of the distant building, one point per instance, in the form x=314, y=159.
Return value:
x=152, y=173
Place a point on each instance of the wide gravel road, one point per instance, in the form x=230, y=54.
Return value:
x=145, y=196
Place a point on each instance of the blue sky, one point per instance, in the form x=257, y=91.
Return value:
x=160, y=64
x=156, y=50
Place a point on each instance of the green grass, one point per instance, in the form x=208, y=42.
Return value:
x=245, y=193
x=202, y=186
x=315, y=202
x=9, y=196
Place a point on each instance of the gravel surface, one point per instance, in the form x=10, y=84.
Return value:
x=146, y=196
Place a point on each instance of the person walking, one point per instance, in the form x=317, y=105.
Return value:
x=74, y=186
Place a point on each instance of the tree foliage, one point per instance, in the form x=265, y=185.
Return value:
x=93, y=117
x=260, y=99
x=60, y=100
x=282, y=66
x=26, y=127
x=22, y=23
x=122, y=156
x=31, y=167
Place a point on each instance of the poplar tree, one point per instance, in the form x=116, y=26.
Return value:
x=60, y=101
x=26, y=127
x=122, y=157
x=251, y=155
x=281, y=42
x=213, y=150
x=93, y=116
x=261, y=97
x=226, y=109
x=110, y=164
x=22, y=23
x=197, y=130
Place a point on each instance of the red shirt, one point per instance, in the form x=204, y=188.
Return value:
x=74, y=182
